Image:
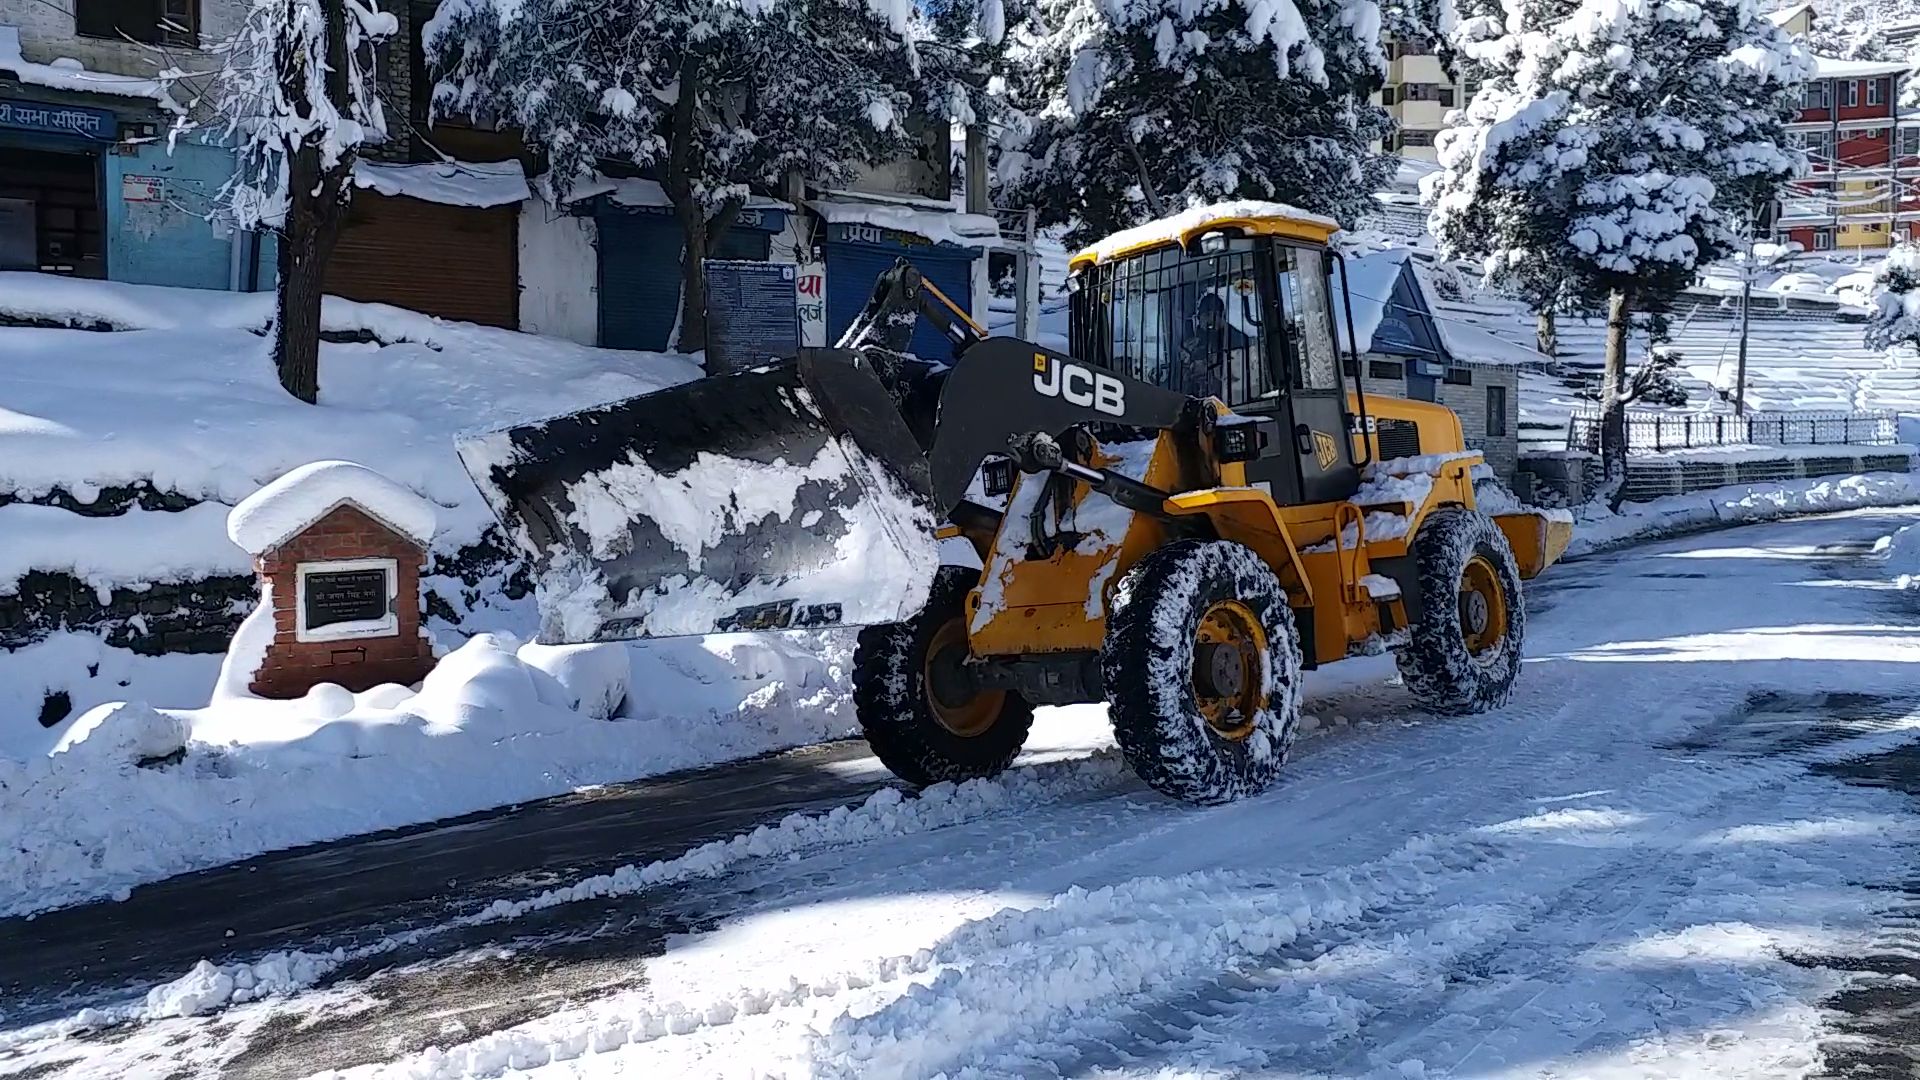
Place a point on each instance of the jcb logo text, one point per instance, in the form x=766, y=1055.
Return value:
x=1081, y=386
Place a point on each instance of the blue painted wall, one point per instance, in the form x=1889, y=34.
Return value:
x=169, y=242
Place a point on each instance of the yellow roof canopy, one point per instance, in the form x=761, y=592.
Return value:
x=1249, y=217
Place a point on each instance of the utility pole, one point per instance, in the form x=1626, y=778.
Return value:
x=1746, y=301
x=1760, y=218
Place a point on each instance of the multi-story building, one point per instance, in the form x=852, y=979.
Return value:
x=1418, y=94
x=1858, y=147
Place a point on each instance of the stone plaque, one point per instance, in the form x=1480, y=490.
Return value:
x=345, y=596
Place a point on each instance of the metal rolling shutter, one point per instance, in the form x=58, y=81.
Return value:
x=852, y=268
x=457, y=262
x=640, y=274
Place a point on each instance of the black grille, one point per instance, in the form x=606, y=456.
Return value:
x=1398, y=438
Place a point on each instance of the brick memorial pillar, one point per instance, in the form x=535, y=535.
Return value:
x=338, y=549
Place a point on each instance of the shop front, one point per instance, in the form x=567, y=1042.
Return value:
x=52, y=176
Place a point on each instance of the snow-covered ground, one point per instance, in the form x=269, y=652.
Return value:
x=180, y=395
x=1649, y=864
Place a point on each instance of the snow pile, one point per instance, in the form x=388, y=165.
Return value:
x=67, y=73
x=208, y=986
x=272, y=515
x=1902, y=554
x=449, y=183
x=495, y=722
x=150, y=546
x=1595, y=529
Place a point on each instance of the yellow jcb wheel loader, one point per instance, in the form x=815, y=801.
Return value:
x=1176, y=519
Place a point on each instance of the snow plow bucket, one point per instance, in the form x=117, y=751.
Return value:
x=784, y=497
x=1538, y=537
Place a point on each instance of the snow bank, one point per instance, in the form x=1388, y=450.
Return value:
x=303, y=496
x=496, y=722
x=1902, y=554
x=137, y=547
x=186, y=398
x=1599, y=530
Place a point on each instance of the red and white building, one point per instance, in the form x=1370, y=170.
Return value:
x=1863, y=189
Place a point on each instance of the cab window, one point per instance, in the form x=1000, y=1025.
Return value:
x=1308, y=342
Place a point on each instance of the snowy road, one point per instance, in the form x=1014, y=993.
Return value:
x=1684, y=850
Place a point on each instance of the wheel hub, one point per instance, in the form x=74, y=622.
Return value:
x=1229, y=650
x=1483, y=608
x=1473, y=613
x=957, y=701
x=1223, y=667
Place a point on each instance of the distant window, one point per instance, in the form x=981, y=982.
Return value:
x=1386, y=369
x=1823, y=240
x=1427, y=92
x=1875, y=88
x=1496, y=410
x=1816, y=95
x=1909, y=141
x=1416, y=137
x=1389, y=95
x=153, y=22
x=1459, y=376
x=1853, y=92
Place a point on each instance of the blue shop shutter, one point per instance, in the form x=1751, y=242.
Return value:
x=640, y=274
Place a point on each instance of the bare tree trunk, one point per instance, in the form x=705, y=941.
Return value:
x=682, y=134
x=1546, y=332
x=316, y=209
x=1613, y=405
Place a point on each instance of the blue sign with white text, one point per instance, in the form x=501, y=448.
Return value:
x=77, y=121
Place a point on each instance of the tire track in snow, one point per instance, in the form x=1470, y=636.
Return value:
x=1493, y=949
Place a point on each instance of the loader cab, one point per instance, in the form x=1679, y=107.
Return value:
x=1235, y=308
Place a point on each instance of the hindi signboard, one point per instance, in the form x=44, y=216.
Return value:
x=752, y=316
x=73, y=120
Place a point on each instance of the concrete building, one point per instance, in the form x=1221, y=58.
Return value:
x=1410, y=346
x=87, y=185
x=1418, y=94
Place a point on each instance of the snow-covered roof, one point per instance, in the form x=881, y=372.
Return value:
x=1469, y=343
x=449, y=183
x=1370, y=282
x=1177, y=228
x=942, y=226
x=1787, y=14
x=639, y=191
x=1829, y=67
x=278, y=511
x=67, y=73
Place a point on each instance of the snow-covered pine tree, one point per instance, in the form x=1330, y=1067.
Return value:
x=1896, y=299
x=1856, y=29
x=295, y=91
x=1125, y=110
x=717, y=97
x=1615, y=142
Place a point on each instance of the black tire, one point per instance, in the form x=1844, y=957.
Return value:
x=1462, y=656
x=1160, y=611
x=903, y=721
